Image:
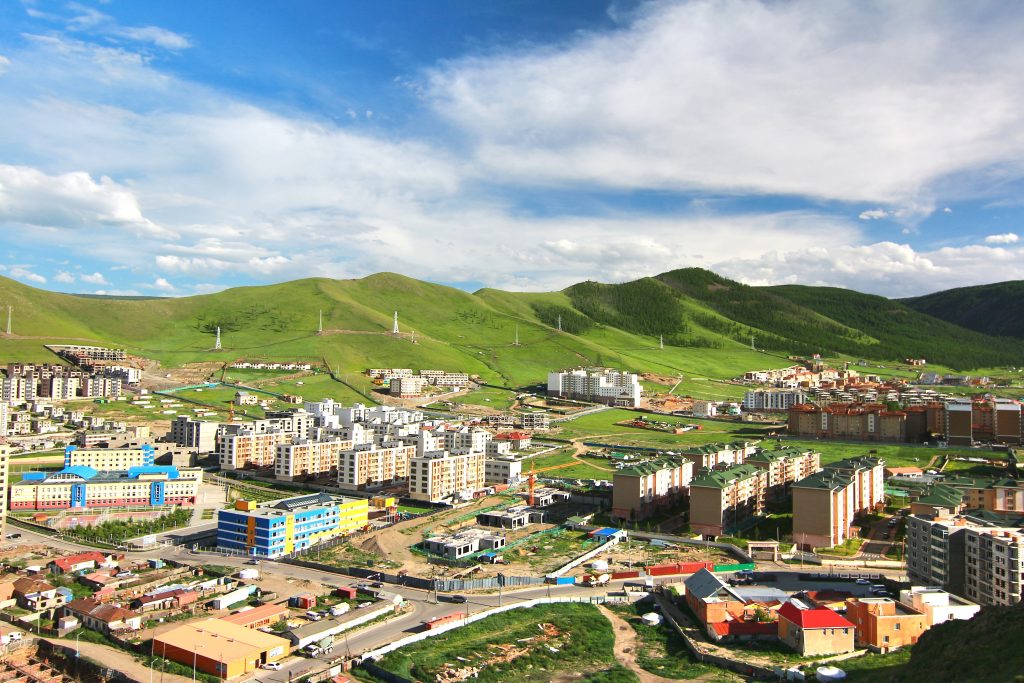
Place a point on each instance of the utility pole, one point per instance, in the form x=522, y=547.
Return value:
x=320, y=327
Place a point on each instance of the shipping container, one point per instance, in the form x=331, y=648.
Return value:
x=441, y=621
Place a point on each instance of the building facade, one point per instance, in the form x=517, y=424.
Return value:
x=642, y=490
x=722, y=500
x=290, y=524
x=81, y=487
x=596, y=385
x=370, y=466
x=195, y=434
x=772, y=400
x=784, y=466
x=109, y=459
x=239, y=447
x=439, y=475
x=304, y=458
x=825, y=504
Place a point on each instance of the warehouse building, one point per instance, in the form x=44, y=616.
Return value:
x=220, y=648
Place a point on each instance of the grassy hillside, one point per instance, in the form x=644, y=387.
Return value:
x=991, y=309
x=706, y=322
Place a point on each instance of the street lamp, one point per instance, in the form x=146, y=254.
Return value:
x=77, y=646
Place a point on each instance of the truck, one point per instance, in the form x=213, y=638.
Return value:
x=601, y=580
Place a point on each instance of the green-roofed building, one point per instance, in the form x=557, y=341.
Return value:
x=642, y=490
x=784, y=467
x=720, y=454
x=722, y=500
x=826, y=503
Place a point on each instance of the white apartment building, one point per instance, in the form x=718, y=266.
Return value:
x=195, y=434
x=502, y=469
x=773, y=399
x=407, y=387
x=597, y=385
x=442, y=378
x=303, y=458
x=536, y=421
x=440, y=476
x=238, y=446
x=939, y=605
x=467, y=439
x=994, y=565
x=370, y=466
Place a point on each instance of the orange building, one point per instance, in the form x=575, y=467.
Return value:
x=220, y=648
x=884, y=624
x=258, y=617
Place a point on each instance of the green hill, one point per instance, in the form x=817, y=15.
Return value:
x=705, y=321
x=996, y=309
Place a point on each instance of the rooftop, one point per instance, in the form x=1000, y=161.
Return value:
x=220, y=640
x=721, y=479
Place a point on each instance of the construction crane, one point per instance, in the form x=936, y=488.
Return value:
x=532, y=480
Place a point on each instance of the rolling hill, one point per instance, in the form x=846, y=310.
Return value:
x=996, y=309
x=706, y=322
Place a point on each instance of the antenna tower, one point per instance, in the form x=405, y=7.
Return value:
x=413, y=339
x=752, y=343
x=516, y=342
x=559, y=323
x=10, y=312
x=661, y=342
x=394, y=328
x=216, y=344
x=320, y=328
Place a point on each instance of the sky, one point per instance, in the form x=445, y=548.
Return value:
x=179, y=147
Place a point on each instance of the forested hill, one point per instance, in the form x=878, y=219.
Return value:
x=993, y=309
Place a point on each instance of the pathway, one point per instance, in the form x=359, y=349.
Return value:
x=120, y=660
x=625, y=647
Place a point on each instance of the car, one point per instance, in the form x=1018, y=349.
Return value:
x=863, y=582
x=458, y=598
x=363, y=604
x=377, y=584
x=253, y=561
x=881, y=594
x=273, y=666
x=12, y=536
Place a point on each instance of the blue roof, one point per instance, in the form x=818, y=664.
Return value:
x=82, y=471
x=169, y=470
x=607, y=531
x=33, y=476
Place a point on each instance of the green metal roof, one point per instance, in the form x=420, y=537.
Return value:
x=720, y=479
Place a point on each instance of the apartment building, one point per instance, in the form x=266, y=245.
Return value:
x=442, y=378
x=785, y=466
x=439, y=476
x=642, y=490
x=772, y=400
x=596, y=385
x=537, y=421
x=860, y=422
x=825, y=504
x=712, y=455
x=407, y=387
x=290, y=524
x=995, y=420
x=467, y=439
x=938, y=605
x=994, y=564
x=194, y=434
x=240, y=447
x=502, y=469
x=109, y=459
x=81, y=487
x=370, y=466
x=722, y=500
x=303, y=458
x=5, y=455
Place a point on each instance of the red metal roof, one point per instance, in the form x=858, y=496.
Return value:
x=819, y=617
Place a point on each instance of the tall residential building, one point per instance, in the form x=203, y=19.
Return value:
x=370, y=466
x=238, y=447
x=288, y=525
x=439, y=476
x=785, y=466
x=109, y=459
x=772, y=399
x=978, y=555
x=861, y=422
x=304, y=458
x=467, y=440
x=407, y=387
x=825, y=504
x=195, y=434
x=722, y=500
x=642, y=490
x=5, y=454
x=988, y=420
x=597, y=385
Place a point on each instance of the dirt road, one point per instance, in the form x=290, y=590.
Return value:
x=625, y=648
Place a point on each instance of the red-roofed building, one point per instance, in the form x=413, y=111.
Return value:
x=76, y=563
x=517, y=440
x=814, y=631
x=742, y=630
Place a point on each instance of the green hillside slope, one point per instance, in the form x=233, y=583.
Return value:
x=706, y=322
x=996, y=309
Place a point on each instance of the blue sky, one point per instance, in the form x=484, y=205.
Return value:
x=174, y=148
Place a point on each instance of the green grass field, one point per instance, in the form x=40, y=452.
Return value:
x=584, y=646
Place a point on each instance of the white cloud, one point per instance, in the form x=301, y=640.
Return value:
x=94, y=279
x=64, y=277
x=1005, y=238
x=91, y=20
x=4, y=64
x=118, y=292
x=163, y=285
x=69, y=200
x=883, y=268
x=160, y=37
x=947, y=210
x=873, y=214
x=856, y=102
x=24, y=273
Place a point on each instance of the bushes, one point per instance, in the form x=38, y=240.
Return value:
x=117, y=531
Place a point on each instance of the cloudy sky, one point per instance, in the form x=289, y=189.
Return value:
x=173, y=147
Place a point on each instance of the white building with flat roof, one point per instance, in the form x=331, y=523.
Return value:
x=596, y=385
